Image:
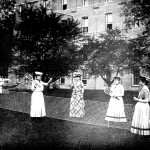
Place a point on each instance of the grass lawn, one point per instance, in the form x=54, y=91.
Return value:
x=18, y=131
x=94, y=95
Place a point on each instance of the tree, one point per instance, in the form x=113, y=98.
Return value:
x=45, y=42
x=109, y=54
x=7, y=22
x=137, y=11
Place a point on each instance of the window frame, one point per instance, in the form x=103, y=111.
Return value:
x=107, y=21
x=84, y=26
x=64, y=4
x=85, y=3
x=85, y=76
x=60, y=81
x=133, y=78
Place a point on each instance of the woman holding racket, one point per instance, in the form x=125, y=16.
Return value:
x=115, y=111
x=37, y=98
x=141, y=115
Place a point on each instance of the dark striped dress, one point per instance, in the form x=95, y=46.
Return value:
x=77, y=103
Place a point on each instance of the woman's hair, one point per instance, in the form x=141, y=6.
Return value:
x=143, y=79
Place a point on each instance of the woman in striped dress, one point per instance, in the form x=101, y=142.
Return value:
x=115, y=111
x=77, y=102
x=141, y=116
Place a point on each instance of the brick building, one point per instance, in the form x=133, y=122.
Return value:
x=96, y=16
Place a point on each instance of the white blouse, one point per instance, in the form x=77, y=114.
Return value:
x=37, y=86
x=117, y=90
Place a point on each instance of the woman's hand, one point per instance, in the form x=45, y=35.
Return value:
x=71, y=85
x=134, y=98
x=112, y=95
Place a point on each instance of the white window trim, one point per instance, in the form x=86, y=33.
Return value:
x=83, y=23
x=106, y=20
x=132, y=81
x=64, y=3
x=60, y=81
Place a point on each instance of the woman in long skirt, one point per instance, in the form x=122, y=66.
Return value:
x=141, y=116
x=77, y=103
x=1, y=84
x=37, y=98
x=115, y=111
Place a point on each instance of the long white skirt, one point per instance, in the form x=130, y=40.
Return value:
x=115, y=111
x=37, y=105
x=141, y=119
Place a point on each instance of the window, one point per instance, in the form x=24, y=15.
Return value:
x=136, y=77
x=19, y=7
x=84, y=77
x=85, y=2
x=62, y=80
x=85, y=24
x=137, y=22
x=108, y=21
x=84, y=81
x=64, y=4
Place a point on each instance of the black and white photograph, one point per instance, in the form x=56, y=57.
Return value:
x=74, y=74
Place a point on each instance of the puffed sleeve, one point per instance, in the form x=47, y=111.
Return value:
x=144, y=94
x=45, y=84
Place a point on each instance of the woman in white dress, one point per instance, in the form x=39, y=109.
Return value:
x=77, y=103
x=141, y=116
x=115, y=111
x=37, y=98
x=1, y=85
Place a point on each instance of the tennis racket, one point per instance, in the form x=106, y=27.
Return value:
x=107, y=90
x=5, y=79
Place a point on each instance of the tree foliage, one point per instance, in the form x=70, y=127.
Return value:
x=45, y=42
x=108, y=55
x=137, y=11
x=7, y=22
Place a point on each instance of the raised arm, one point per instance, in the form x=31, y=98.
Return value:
x=46, y=84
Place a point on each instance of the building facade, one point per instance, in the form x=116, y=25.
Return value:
x=95, y=17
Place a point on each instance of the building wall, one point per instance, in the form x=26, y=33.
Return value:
x=99, y=84
x=96, y=11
